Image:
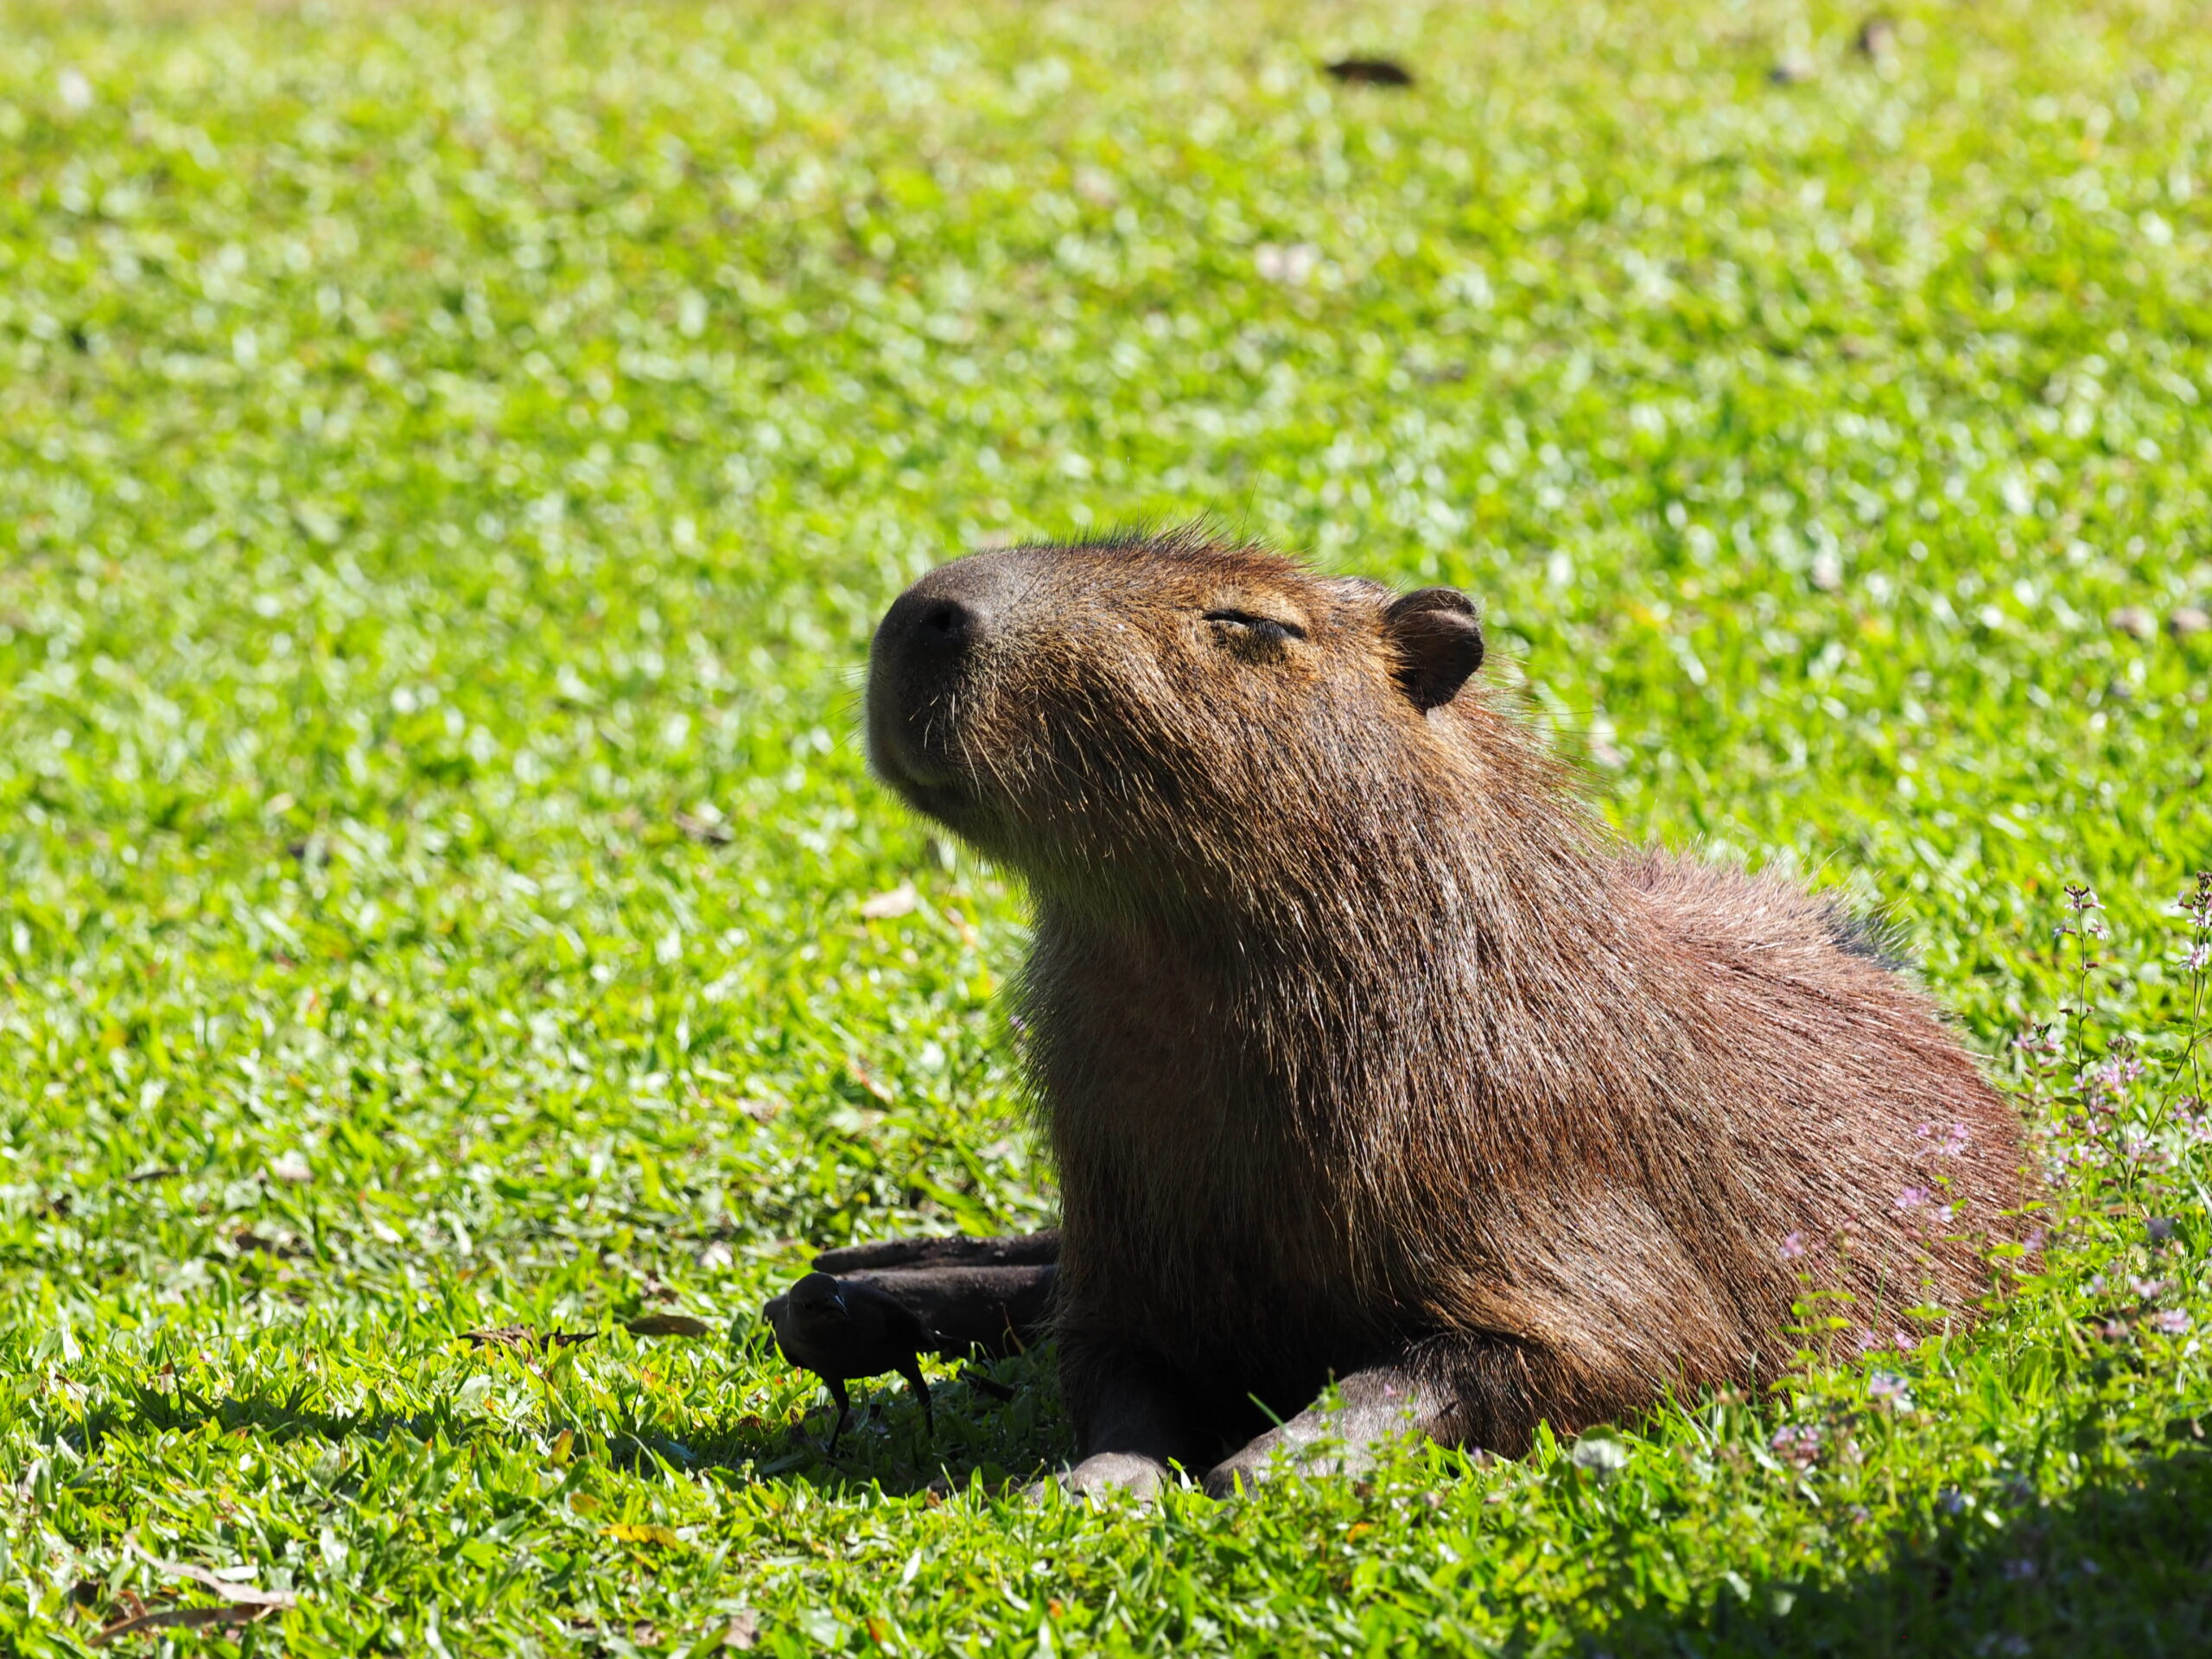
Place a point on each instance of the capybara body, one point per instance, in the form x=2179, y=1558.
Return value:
x=1364, y=1047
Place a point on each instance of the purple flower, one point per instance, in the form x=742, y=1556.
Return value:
x=1793, y=1247
x=1798, y=1443
x=1913, y=1198
x=1888, y=1388
x=1949, y=1139
x=2171, y=1320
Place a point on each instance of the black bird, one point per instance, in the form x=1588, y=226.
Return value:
x=842, y=1329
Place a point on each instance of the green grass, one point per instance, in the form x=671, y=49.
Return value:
x=439, y=449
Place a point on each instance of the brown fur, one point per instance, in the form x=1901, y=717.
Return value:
x=1359, y=1041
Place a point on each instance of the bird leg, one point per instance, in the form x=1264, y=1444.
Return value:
x=912, y=1371
x=836, y=1386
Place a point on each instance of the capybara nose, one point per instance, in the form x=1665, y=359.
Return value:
x=922, y=657
x=937, y=623
x=945, y=627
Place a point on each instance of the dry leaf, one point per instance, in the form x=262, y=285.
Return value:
x=668, y=1325
x=706, y=826
x=1369, y=71
x=246, y=1595
x=2134, y=621
x=899, y=901
x=237, y=1612
x=1877, y=37
x=742, y=1630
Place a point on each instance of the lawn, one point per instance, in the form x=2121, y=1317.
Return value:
x=451, y=459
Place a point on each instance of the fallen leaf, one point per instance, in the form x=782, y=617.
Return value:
x=668, y=1325
x=292, y=1167
x=706, y=826
x=742, y=1630
x=236, y=1612
x=1876, y=38
x=246, y=1595
x=873, y=1084
x=2134, y=621
x=899, y=901
x=1369, y=71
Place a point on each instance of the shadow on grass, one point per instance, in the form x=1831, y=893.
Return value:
x=886, y=1443
x=2122, y=1567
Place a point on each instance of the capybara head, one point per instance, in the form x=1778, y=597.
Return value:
x=1173, y=717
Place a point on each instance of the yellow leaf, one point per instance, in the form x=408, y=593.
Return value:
x=583, y=1502
x=637, y=1534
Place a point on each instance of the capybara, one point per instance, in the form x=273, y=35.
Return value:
x=1368, y=1054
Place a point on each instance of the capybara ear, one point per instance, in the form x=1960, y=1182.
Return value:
x=1439, y=640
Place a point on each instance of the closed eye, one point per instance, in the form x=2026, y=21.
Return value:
x=1264, y=628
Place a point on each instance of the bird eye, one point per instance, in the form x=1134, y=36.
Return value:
x=1259, y=627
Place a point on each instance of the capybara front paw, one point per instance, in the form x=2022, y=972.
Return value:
x=1107, y=1473
x=1233, y=1476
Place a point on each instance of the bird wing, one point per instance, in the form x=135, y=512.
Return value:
x=901, y=1327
